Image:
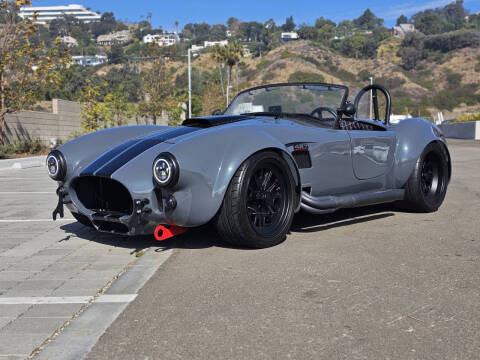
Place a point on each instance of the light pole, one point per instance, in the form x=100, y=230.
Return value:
x=189, y=83
x=371, y=98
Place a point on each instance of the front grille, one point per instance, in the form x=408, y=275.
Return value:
x=103, y=195
x=112, y=227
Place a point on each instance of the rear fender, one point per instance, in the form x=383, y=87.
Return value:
x=413, y=135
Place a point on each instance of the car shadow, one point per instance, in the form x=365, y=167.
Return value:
x=206, y=237
x=307, y=223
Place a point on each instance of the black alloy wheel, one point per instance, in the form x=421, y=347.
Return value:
x=431, y=176
x=259, y=204
x=267, y=203
x=427, y=186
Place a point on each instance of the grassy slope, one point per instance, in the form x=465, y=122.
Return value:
x=279, y=64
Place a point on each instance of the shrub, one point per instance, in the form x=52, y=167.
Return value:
x=449, y=99
x=278, y=65
x=301, y=76
x=468, y=117
x=390, y=83
x=268, y=77
x=288, y=55
x=263, y=64
x=242, y=65
x=22, y=147
x=249, y=74
x=311, y=60
x=364, y=75
x=452, y=41
x=453, y=79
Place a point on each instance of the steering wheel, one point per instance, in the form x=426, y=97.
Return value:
x=320, y=111
x=374, y=88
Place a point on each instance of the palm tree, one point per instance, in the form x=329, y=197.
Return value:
x=230, y=55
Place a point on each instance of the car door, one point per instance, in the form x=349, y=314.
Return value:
x=324, y=159
x=373, y=152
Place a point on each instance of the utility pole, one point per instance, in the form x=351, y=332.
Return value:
x=228, y=94
x=371, y=98
x=189, y=83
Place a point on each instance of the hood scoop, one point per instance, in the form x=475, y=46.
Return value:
x=211, y=121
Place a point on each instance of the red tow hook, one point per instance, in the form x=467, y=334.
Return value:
x=164, y=232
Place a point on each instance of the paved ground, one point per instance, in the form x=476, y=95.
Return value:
x=51, y=272
x=361, y=284
x=365, y=283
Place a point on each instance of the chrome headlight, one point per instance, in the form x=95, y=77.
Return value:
x=166, y=170
x=56, y=165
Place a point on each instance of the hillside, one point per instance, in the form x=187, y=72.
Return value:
x=414, y=90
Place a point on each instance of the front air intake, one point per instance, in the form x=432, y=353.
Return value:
x=103, y=195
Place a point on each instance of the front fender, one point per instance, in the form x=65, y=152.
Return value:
x=208, y=163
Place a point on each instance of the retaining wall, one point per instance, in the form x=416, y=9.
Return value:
x=462, y=130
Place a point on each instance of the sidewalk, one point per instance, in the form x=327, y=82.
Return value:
x=22, y=163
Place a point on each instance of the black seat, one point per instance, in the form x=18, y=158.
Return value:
x=350, y=124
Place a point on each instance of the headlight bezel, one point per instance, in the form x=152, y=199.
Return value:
x=61, y=163
x=170, y=163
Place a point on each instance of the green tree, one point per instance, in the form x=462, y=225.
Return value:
x=368, y=21
x=321, y=22
x=119, y=108
x=94, y=113
x=156, y=90
x=402, y=19
x=230, y=56
x=25, y=64
x=289, y=24
x=344, y=28
x=115, y=54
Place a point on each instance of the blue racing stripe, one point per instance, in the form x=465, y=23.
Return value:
x=138, y=147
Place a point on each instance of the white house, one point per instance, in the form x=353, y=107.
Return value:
x=69, y=41
x=207, y=44
x=213, y=43
x=288, y=36
x=119, y=37
x=90, y=60
x=401, y=30
x=165, y=39
x=45, y=14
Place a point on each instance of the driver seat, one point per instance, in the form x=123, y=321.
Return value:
x=350, y=124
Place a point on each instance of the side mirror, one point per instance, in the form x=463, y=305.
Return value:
x=217, y=112
x=349, y=109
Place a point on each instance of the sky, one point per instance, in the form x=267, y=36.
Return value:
x=165, y=13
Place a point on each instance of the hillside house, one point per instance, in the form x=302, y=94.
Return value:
x=401, y=30
x=116, y=38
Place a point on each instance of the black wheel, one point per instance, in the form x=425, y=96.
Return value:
x=427, y=186
x=258, y=207
x=82, y=219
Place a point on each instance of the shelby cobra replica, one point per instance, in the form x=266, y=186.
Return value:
x=277, y=149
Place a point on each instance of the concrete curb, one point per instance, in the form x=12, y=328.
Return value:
x=79, y=337
x=22, y=163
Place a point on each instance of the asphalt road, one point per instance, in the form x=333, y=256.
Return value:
x=371, y=283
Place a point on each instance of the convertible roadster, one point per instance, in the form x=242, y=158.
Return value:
x=276, y=150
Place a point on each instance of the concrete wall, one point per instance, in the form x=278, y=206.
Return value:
x=62, y=123
x=462, y=130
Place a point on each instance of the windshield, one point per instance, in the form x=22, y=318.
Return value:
x=288, y=98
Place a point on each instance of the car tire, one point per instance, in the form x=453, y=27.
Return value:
x=258, y=207
x=82, y=219
x=427, y=186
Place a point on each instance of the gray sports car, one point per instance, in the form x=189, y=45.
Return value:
x=276, y=150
